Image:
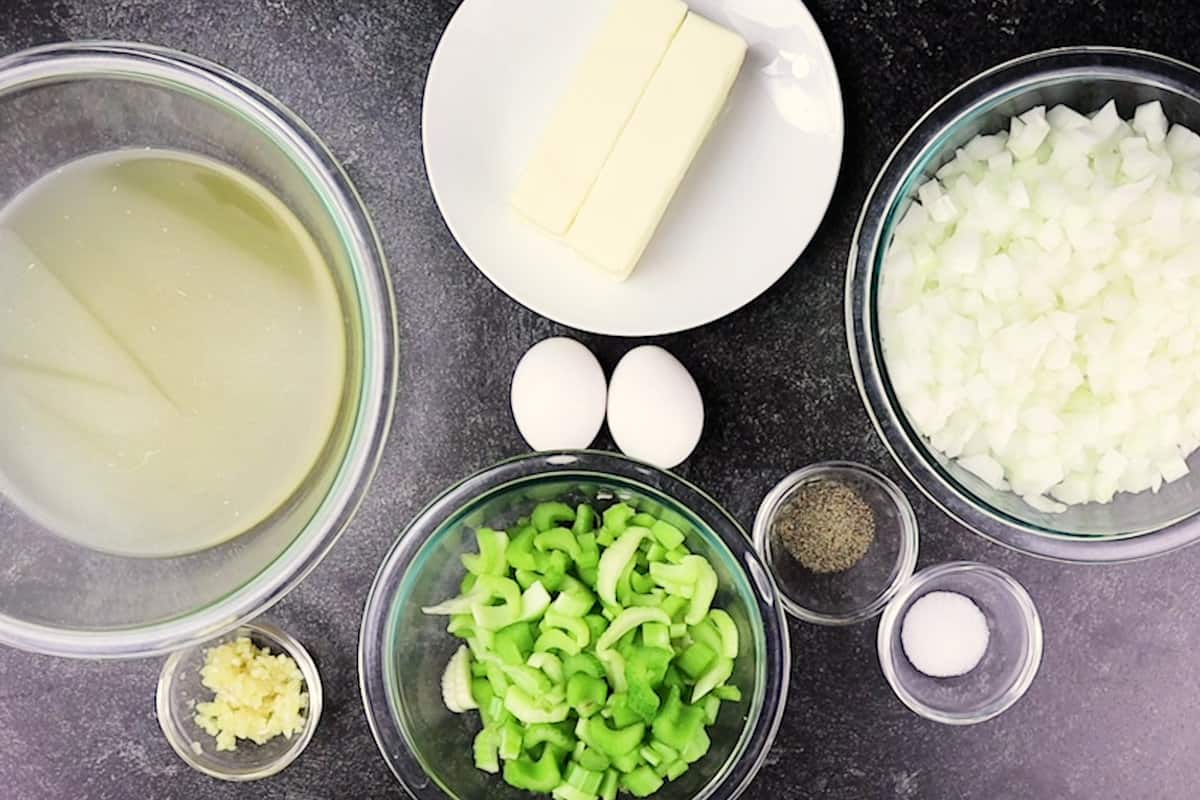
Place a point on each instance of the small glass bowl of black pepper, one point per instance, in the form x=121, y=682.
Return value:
x=840, y=539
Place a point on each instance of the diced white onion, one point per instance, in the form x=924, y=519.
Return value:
x=1037, y=303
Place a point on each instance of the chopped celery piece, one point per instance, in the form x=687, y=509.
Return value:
x=695, y=660
x=628, y=620
x=678, y=579
x=706, y=633
x=597, y=624
x=532, y=681
x=728, y=693
x=656, y=634
x=487, y=750
x=678, y=723
x=547, y=515
x=574, y=626
x=610, y=785
x=521, y=705
x=617, y=516
x=574, y=599
x=510, y=741
x=620, y=713
x=554, y=568
x=560, y=539
x=674, y=679
x=714, y=676
x=642, y=782
x=614, y=668
x=605, y=537
x=674, y=606
x=642, y=520
x=615, y=559
x=497, y=678
x=550, y=665
x=542, y=732
x=462, y=626
x=494, y=617
x=456, y=682
x=526, y=578
x=613, y=742
x=712, y=707
x=534, y=602
x=696, y=747
x=586, y=694
x=586, y=663
x=539, y=776
x=667, y=534
x=490, y=560
x=645, y=668
x=640, y=582
x=585, y=519
x=667, y=752
x=706, y=589
x=652, y=600
x=589, y=552
x=628, y=762
x=482, y=694
x=565, y=791
x=520, y=549
x=676, y=769
x=592, y=759
x=585, y=779
x=728, y=631
x=677, y=555
x=514, y=643
x=468, y=583
x=555, y=639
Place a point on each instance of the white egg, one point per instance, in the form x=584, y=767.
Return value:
x=558, y=395
x=655, y=411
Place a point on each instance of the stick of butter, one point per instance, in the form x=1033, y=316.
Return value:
x=593, y=112
x=659, y=143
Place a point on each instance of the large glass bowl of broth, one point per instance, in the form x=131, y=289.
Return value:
x=197, y=350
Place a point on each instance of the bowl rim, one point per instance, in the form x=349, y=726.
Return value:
x=182, y=72
x=906, y=558
x=280, y=640
x=759, y=737
x=905, y=448
x=889, y=626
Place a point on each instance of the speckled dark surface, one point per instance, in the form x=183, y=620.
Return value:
x=1113, y=712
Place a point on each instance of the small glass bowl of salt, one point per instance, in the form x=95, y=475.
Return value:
x=960, y=643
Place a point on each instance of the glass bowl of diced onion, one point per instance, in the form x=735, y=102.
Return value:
x=403, y=651
x=1131, y=525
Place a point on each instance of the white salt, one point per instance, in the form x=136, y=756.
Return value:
x=944, y=634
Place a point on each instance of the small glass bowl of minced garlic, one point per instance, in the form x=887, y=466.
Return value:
x=840, y=540
x=243, y=706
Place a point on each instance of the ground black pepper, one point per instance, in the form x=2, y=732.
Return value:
x=826, y=526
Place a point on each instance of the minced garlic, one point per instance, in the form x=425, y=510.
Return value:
x=258, y=696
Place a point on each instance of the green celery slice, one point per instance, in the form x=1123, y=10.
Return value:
x=547, y=515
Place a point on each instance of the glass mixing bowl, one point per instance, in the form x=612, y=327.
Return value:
x=63, y=102
x=403, y=652
x=1133, y=526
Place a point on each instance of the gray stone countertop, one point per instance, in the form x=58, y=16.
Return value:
x=1113, y=713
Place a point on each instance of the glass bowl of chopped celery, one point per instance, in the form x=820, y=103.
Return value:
x=241, y=707
x=1048, y=408
x=574, y=624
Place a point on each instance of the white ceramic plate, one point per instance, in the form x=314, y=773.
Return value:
x=747, y=209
